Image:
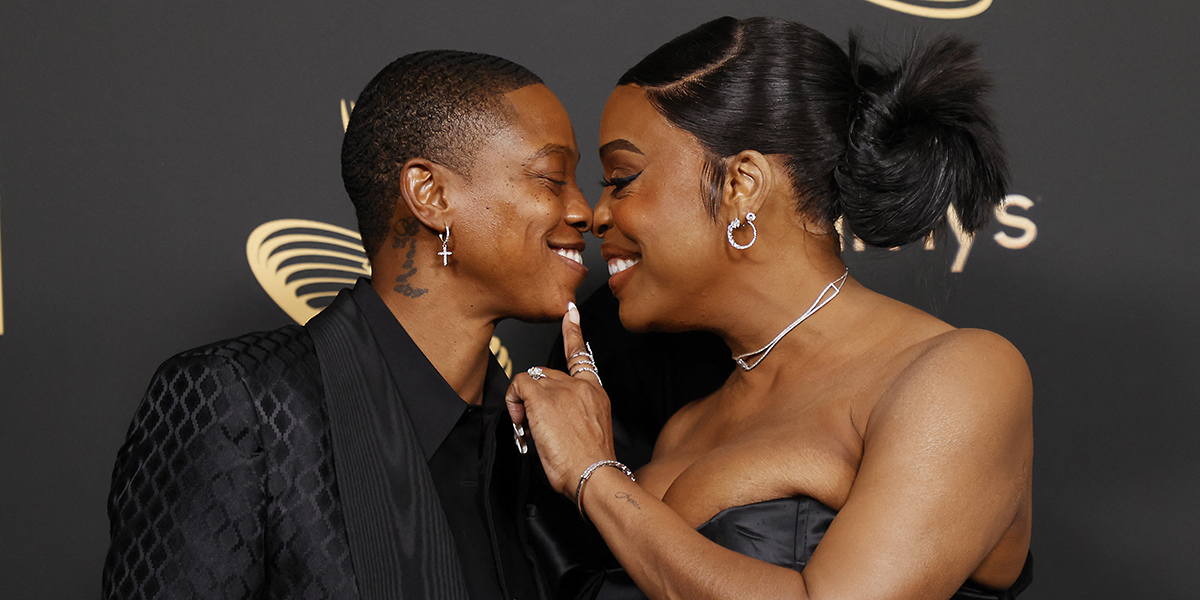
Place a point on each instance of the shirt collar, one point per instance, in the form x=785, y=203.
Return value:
x=432, y=405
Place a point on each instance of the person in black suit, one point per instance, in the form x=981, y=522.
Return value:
x=367, y=454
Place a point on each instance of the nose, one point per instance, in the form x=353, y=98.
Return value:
x=578, y=214
x=602, y=218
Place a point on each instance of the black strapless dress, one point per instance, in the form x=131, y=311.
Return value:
x=785, y=532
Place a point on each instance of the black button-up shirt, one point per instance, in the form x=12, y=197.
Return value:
x=452, y=434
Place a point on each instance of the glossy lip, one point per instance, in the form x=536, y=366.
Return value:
x=618, y=281
x=578, y=246
x=610, y=251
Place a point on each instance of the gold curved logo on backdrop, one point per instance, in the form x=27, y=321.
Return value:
x=302, y=265
x=936, y=9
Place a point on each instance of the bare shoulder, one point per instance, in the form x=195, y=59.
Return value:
x=961, y=375
x=947, y=454
x=971, y=354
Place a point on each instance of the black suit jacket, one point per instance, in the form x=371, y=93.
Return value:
x=225, y=487
x=278, y=465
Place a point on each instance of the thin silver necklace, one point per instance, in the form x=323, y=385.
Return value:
x=835, y=285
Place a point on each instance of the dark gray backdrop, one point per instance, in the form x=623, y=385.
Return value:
x=141, y=142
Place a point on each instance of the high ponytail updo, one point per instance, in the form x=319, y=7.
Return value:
x=887, y=150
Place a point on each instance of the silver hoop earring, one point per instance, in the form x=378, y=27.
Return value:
x=737, y=223
x=445, y=254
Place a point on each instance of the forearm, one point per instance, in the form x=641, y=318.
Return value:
x=666, y=557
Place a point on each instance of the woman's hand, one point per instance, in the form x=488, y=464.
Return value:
x=569, y=417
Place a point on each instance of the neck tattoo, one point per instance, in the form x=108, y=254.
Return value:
x=822, y=300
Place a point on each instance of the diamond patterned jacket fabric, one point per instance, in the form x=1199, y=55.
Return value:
x=225, y=486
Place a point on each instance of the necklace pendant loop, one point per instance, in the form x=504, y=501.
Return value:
x=817, y=304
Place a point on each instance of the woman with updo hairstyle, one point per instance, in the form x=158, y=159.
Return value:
x=862, y=449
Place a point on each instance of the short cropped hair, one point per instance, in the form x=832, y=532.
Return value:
x=438, y=105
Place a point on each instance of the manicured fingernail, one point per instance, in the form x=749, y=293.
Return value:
x=573, y=313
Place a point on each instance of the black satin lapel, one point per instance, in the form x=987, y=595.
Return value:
x=494, y=498
x=399, y=537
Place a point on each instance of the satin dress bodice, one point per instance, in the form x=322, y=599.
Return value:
x=785, y=532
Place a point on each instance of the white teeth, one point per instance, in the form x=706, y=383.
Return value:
x=617, y=265
x=570, y=254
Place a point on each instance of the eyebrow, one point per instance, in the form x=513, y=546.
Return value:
x=549, y=149
x=621, y=144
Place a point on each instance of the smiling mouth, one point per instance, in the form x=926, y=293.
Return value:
x=616, y=265
x=570, y=254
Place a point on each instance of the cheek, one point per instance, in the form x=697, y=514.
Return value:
x=683, y=268
x=508, y=221
x=490, y=226
x=680, y=236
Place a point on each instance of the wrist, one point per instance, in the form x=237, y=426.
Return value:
x=586, y=475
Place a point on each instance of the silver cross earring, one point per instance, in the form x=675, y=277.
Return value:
x=445, y=254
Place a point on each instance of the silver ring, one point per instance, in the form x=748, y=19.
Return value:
x=582, y=366
x=587, y=351
x=536, y=373
x=579, y=370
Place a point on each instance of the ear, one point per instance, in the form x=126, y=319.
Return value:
x=426, y=189
x=749, y=177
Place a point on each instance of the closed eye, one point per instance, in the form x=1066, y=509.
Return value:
x=619, y=182
x=558, y=184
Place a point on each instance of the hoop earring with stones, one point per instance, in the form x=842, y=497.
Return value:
x=736, y=224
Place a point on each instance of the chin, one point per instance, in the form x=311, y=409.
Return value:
x=634, y=321
x=540, y=318
x=547, y=310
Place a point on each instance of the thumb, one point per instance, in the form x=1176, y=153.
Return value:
x=572, y=334
x=579, y=355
